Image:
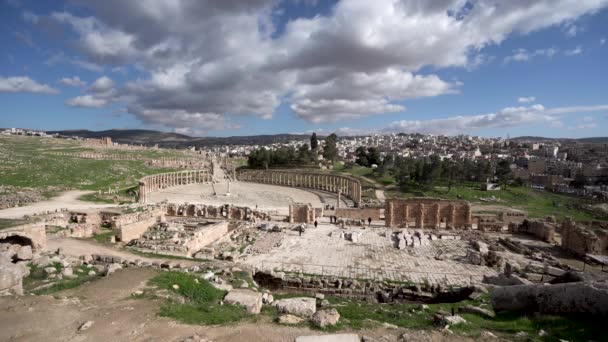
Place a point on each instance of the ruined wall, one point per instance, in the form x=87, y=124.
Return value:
x=225, y=212
x=132, y=226
x=427, y=213
x=161, y=181
x=585, y=238
x=206, y=236
x=540, y=229
x=34, y=232
x=347, y=186
x=301, y=213
x=510, y=216
x=360, y=213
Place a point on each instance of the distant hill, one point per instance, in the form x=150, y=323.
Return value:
x=175, y=140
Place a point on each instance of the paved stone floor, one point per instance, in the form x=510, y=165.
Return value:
x=322, y=251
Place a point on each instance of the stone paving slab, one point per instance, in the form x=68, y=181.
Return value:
x=321, y=251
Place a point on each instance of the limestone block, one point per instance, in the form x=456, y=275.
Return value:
x=323, y=318
x=251, y=300
x=300, y=306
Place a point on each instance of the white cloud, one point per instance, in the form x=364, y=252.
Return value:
x=74, y=81
x=528, y=99
x=24, y=84
x=219, y=59
x=505, y=118
x=602, y=41
x=576, y=51
x=523, y=55
x=88, y=101
x=102, y=85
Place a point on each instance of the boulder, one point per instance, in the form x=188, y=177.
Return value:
x=67, y=272
x=43, y=261
x=300, y=306
x=330, y=338
x=113, y=268
x=25, y=253
x=481, y=247
x=452, y=320
x=223, y=287
x=267, y=298
x=50, y=270
x=323, y=318
x=568, y=298
x=251, y=300
x=290, y=319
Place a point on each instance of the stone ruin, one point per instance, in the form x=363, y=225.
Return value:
x=585, y=237
x=427, y=213
x=541, y=229
x=183, y=239
x=226, y=212
x=301, y=213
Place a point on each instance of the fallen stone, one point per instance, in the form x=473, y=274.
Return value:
x=251, y=300
x=290, y=319
x=452, y=320
x=67, y=272
x=301, y=306
x=50, y=270
x=113, y=268
x=323, y=318
x=11, y=278
x=86, y=325
x=330, y=338
x=477, y=310
x=223, y=287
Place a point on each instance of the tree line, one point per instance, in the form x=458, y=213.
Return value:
x=303, y=155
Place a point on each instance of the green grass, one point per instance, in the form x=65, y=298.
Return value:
x=536, y=203
x=202, y=304
x=7, y=223
x=104, y=238
x=30, y=163
x=37, y=275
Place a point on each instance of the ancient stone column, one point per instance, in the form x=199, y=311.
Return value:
x=420, y=216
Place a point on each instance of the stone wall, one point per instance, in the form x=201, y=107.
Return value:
x=360, y=213
x=132, y=226
x=585, y=237
x=161, y=181
x=301, y=213
x=32, y=233
x=427, y=213
x=540, y=229
x=347, y=186
x=225, y=212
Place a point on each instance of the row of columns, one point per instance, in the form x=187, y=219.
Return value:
x=166, y=180
x=347, y=186
x=399, y=214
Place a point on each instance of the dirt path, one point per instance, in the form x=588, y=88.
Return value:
x=68, y=200
x=117, y=317
x=77, y=247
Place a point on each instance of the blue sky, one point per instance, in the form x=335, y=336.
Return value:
x=483, y=67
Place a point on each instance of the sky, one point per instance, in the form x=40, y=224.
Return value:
x=492, y=68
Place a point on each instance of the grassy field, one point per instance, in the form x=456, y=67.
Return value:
x=29, y=162
x=536, y=203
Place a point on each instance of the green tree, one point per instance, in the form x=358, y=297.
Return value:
x=503, y=172
x=361, y=156
x=330, y=150
x=314, y=142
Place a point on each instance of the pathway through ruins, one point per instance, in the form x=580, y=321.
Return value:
x=67, y=200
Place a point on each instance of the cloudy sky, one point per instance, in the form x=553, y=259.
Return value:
x=243, y=67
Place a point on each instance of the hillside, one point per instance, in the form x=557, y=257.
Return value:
x=175, y=140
